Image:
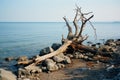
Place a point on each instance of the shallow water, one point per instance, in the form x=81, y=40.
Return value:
x=27, y=38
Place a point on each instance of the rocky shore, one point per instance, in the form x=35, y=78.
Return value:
x=77, y=65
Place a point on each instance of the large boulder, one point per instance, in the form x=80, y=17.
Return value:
x=55, y=46
x=46, y=51
x=51, y=65
x=7, y=75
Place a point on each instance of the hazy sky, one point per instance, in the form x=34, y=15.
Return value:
x=54, y=10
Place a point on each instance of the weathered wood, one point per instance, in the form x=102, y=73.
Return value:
x=72, y=40
x=70, y=34
x=58, y=51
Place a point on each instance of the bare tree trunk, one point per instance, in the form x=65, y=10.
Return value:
x=75, y=41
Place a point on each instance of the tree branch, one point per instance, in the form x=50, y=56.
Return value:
x=70, y=34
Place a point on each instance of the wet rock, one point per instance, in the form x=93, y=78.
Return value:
x=55, y=46
x=46, y=51
x=23, y=58
x=7, y=75
x=9, y=58
x=51, y=65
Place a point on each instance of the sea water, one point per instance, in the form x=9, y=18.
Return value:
x=28, y=38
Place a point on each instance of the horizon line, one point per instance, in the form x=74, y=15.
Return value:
x=49, y=21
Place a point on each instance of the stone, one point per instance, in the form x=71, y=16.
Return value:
x=80, y=56
x=23, y=73
x=44, y=69
x=46, y=51
x=55, y=46
x=76, y=55
x=69, y=55
x=9, y=58
x=67, y=60
x=23, y=58
x=117, y=42
x=109, y=40
x=51, y=65
x=58, y=59
x=106, y=48
x=7, y=75
x=36, y=70
x=60, y=65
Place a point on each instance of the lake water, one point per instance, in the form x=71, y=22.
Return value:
x=27, y=38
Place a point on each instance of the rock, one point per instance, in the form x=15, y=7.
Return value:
x=80, y=56
x=23, y=79
x=59, y=57
x=106, y=48
x=23, y=73
x=67, y=60
x=117, y=42
x=36, y=70
x=69, y=55
x=55, y=46
x=60, y=65
x=76, y=55
x=9, y=58
x=62, y=58
x=44, y=69
x=109, y=40
x=51, y=65
x=7, y=75
x=110, y=67
x=23, y=58
x=46, y=51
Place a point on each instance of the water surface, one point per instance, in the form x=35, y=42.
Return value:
x=27, y=38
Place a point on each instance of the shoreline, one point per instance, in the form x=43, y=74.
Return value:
x=79, y=68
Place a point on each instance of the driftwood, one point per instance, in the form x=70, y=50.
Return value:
x=74, y=40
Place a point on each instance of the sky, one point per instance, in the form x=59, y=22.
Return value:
x=54, y=10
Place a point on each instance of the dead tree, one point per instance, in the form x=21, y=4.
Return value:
x=74, y=40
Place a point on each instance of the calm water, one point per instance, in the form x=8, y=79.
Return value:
x=17, y=39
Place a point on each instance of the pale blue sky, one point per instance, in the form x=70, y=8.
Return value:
x=54, y=10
